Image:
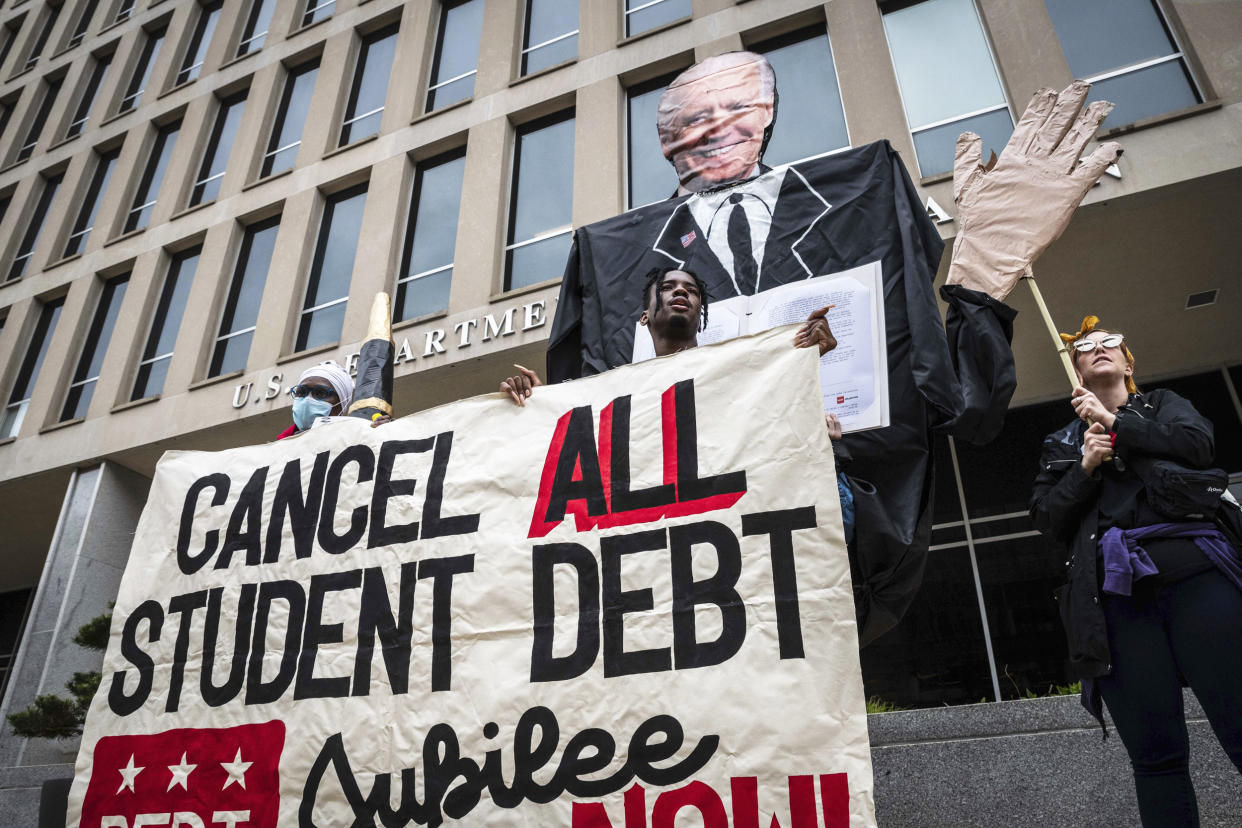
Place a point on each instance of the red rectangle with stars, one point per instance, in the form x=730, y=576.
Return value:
x=216, y=774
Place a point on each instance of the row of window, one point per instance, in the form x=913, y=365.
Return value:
x=422, y=288
x=549, y=36
x=946, y=73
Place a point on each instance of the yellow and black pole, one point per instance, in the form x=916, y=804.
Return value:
x=373, y=387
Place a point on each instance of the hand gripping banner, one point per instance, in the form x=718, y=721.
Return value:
x=625, y=605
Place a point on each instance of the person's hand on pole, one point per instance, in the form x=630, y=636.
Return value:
x=520, y=385
x=1097, y=446
x=1010, y=210
x=1090, y=410
x=816, y=331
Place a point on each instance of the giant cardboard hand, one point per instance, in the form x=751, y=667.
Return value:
x=1010, y=210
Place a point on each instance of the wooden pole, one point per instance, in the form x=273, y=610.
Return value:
x=1061, y=347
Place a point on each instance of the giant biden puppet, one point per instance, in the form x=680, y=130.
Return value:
x=744, y=228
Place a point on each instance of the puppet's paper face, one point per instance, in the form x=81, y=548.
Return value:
x=711, y=127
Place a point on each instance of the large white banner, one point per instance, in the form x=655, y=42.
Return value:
x=626, y=604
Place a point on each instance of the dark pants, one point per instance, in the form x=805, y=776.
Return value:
x=1192, y=628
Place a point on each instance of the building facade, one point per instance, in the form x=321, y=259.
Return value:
x=198, y=200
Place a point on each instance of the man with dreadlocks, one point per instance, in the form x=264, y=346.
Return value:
x=675, y=303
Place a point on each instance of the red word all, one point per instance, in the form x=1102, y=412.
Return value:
x=834, y=799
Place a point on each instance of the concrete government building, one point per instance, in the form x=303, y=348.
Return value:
x=198, y=200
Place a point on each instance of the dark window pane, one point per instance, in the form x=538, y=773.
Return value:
x=457, y=53
x=531, y=263
x=241, y=307
x=87, y=100
x=541, y=200
x=1145, y=93
x=282, y=148
x=317, y=10
x=49, y=21
x=551, y=34
x=94, y=349
x=166, y=323
x=142, y=70
x=11, y=31
x=219, y=147
x=1208, y=393
x=935, y=147
x=152, y=178
x=12, y=623
x=425, y=294
x=84, y=22
x=543, y=179
x=31, y=237
x=1018, y=577
x=936, y=655
x=104, y=165
x=431, y=237
x=998, y=478
x=651, y=176
x=366, y=97
x=1099, y=37
x=810, y=119
x=50, y=91
x=257, y=22
x=196, y=52
x=641, y=15
x=28, y=373
x=6, y=112
x=124, y=9
x=332, y=269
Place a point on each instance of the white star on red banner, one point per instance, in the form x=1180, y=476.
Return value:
x=180, y=774
x=128, y=774
x=236, y=770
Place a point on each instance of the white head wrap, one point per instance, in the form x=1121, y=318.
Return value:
x=342, y=383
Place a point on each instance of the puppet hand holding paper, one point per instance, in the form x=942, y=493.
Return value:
x=1010, y=211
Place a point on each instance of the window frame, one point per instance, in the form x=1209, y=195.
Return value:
x=52, y=15
x=208, y=19
x=90, y=207
x=252, y=22
x=625, y=18
x=233, y=290
x=100, y=64
x=323, y=238
x=411, y=228
x=292, y=74
x=367, y=42
x=29, y=369
x=162, y=133
x=528, y=49
x=437, y=52
x=83, y=23
x=97, y=336
x=49, y=185
x=152, y=43
x=552, y=119
x=1006, y=104
x=159, y=318
x=51, y=91
x=220, y=122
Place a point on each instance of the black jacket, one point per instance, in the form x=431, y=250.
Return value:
x=1064, y=505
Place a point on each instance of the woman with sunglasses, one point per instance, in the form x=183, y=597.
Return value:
x=323, y=390
x=1153, y=601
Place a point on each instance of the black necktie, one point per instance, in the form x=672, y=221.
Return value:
x=744, y=268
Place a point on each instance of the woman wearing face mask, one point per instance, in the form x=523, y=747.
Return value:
x=323, y=390
x=1154, y=598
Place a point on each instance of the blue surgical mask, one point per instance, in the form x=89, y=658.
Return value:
x=308, y=409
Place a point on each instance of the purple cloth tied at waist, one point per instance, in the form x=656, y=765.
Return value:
x=1125, y=560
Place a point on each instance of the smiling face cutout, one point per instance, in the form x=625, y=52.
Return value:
x=713, y=119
